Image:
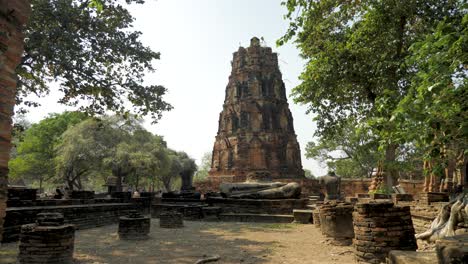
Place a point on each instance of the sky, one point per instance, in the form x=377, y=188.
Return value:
x=196, y=39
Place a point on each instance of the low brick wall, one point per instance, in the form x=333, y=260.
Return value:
x=253, y=206
x=188, y=211
x=423, y=215
x=83, y=216
x=60, y=202
x=413, y=187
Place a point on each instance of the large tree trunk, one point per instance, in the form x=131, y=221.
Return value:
x=13, y=15
x=447, y=220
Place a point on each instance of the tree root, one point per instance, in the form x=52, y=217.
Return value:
x=208, y=259
x=445, y=224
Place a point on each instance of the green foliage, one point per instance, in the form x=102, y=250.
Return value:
x=352, y=153
x=382, y=189
x=205, y=166
x=177, y=163
x=434, y=113
x=35, y=152
x=89, y=49
x=367, y=60
x=79, y=152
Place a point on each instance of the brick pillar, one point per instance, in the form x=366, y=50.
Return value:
x=13, y=15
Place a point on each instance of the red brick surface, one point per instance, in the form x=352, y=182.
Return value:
x=13, y=15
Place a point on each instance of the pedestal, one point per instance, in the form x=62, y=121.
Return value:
x=49, y=241
x=134, y=226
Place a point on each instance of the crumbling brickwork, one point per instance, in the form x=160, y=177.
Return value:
x=380, y=228
x=13, y=15
x=256, y=130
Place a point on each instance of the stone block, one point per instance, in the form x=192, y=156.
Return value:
x=336, y=221
x=134, y=226
x=406, y=197
x=362, y=195
x=375, y=196
x=47, y=242
x=302, y=216
x=380, y=227
x=351, y=200
x=432, y=197
x=171, y=220
x=411, y=257
x=452, y=250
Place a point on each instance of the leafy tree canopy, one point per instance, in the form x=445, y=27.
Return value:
x=434, y=113
x=393, y=67
x=352, y=153
x=356, y=52
x=36, y=148
x=205, y=166
x=89, y=48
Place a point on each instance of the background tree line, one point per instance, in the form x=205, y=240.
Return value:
x=80, y=152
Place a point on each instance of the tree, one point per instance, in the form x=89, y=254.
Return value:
x=357, y=52
x=20, y=125
x=434, y=113
x=81, y=151
x=352, y=153
x=179, y=162
x=89, y=49
x=97, y=144
x=35, y=152
x=205, y=166
x=149, y=159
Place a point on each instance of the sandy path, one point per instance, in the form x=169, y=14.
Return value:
x=234, y=242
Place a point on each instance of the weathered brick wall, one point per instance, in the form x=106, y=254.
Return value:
x=412, y=186
x=83, y=216
x=350, y=187
x=13, y=15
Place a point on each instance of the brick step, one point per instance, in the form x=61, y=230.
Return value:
x=259, y=218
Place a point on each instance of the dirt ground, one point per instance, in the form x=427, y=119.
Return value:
x=244, y=243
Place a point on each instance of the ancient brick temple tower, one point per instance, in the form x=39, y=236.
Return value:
x=256, y=130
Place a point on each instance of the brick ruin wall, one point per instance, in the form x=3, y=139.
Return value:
x=350, y=187
x=13, y=15
x=87, y=213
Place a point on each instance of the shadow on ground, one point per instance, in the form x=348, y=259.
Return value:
x=185, y=245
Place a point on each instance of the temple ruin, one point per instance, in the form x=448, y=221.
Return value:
x=256, y=131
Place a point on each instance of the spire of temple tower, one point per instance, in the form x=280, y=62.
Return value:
x=256, y=131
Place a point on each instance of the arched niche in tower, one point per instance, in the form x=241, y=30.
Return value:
x=225, y=154
x=267, y=87
x=292, y=149
x=256, y=154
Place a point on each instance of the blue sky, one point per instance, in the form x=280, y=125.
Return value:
x=196, y=39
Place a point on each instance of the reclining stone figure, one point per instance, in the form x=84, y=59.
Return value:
x=260, y=186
